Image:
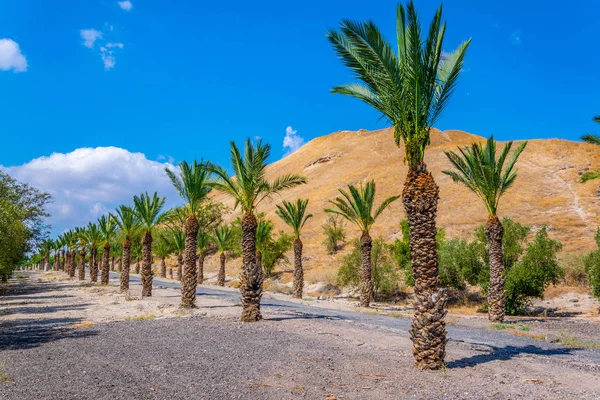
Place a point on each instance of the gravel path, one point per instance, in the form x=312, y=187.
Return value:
x=299, y=352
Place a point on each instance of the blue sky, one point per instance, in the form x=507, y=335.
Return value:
x=184, y=78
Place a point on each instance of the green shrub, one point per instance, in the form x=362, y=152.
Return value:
x=400, y=252
x=273, y=251
x=335, y=233
x=592, y=267
x=460, y=263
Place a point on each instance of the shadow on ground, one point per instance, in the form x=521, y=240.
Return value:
x=503, y=354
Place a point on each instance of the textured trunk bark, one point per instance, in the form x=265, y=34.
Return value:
x=259, y=261
x=163, y=268
x=221, y=278
x=298, y=270
x=105, y=264
x=147, y=265
x=200, y=273
x=94, y=265
x=428, y=329
x=188, y=286
x=81, y=265
x=63, y=261
x=125, y=264
x=169, y=273
x=137, y=265
x=251, y=279
x=179, y=267
x=112, y=264
x=366, y=282
x=72, y=266
x=496, y=299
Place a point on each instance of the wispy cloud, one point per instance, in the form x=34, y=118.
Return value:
x=125, y=5
x=89, y=37
x=11, y=56
x=291, y=141
x=92, y=36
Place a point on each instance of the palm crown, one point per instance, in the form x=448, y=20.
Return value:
x=126, y=219
x=92, y=236
x=191, y=184
x=356, y=205
x=480, y=171
x=178, y=242
x=410, y=88
x=107, y=227
x=249, y=186
x=222, y=238
x=204, y=240
x=148, y=210
x=162, y=247
x=294, y=215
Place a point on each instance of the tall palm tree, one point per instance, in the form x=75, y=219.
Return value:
x=294, y=215
x=45, y=250
x=488, y=177
x=82, y=244
x=592, y=139
x=203, y=243
x=178, y=248
x=107, y=227
x=410, y=88
x=249, y=187
x=162, y=249
x=148, y=211
x=192, y=185
x=222, y=239
x=128, y=223
x=93, y=236
x=356, y=206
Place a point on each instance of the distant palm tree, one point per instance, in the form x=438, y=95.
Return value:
x=592, y=139
x=489, y=177
x=81, y=246
x=128, y=223
x=294, y=215
x=162, y=249
x=249, y=187
x=107, y=227
x=222, y=239
x=356, y=206
x=136, y=253
x=178, y=248
x=203, y=243
x=45, y=250
x=264, y=233
x=94, y=238
x=148, y=211
x=192, y=185
x=411, y=89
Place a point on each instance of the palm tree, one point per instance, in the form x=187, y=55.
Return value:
x=82, y=243
x=489, y=178
x=592, y=139
x=128, y=222
x=192, y=185
x=222, y=239
x=411, y=89
x=357, y=207
x=136, y=253
x=162, y=249
x=94, y=238
x=203, y=243
x=45, y=250
x=249, y=188
x=107, y=227
x=294, y=215
x=264, y=232
x=148, y=211
x=178, y=248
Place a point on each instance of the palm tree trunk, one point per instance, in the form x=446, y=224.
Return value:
x=188, y=286
x=428, y=329
x=298, y=270
x=163, y=268
x=125, y=265
x=119, y=266
x=105, y=264
x=179, y=267
x=366, y=282
x=81, y=265
x=259, y=261
x=495, y=233
x=72, y=264
x=169, y=273
x=94, y=265
x=200, y=273
x=112, y=263
x=147, y=265
x=251, y=278
x=63, y=261
x=221, y=278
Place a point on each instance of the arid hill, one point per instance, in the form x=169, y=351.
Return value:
x=547, y=190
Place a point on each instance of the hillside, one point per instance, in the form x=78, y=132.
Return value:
x=547, y=190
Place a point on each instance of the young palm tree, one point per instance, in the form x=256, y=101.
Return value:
x=592, y=139
x=128, y=223
x=488, y=177
x=148, y=211
x=136, y=253
x=222, y=239
x=162, y=250
x=178, y=248
x=203, y=243
x=192, y=185
x=94, y=238
x=357, y=207
x=294, y=215
x=411, y=89
x=107, y=227
x=45, y=250
x=249, y=188
x=264, y=233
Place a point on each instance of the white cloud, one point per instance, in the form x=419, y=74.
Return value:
x=126, y=5
x=291, y=141
x=11, y=56
x=107, y=58
x=89, y=182
x=111, y=45
x=89, y=37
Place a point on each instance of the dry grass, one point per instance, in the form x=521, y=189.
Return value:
x=83, y=324
x=576, y=343
x=145, y=317
x=3, y=376
x=277, y=287
x=575, y=274
x=325, y=275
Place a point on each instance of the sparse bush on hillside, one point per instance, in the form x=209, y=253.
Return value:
x=575, y=270
x=592, y=267
x=335, y=234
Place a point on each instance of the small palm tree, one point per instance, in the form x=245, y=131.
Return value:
x=107, y=228
x=264, y=233
x=45, y=250
x=203, y=243
x=411, y=89
x=592, y=139
x=136, y=254
x=148, y=211
x=489, y=178
x=222, y=239
x=178, y=248
x=294, y=215
x=356, y=206
x=93, y=238
x=249, y=187
x=162, y=249
x=192, y=185
x=81, y=245
x=128, y=223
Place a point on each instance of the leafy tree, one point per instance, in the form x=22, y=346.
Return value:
x=249, y=187
x=295, y=216
x=128, y=222
x=335, y=235
x=356, y=206
x=411, y=89
x=592, y=139
x=222, y=239
x=592, y=267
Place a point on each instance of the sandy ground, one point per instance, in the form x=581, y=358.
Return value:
x=290, y=355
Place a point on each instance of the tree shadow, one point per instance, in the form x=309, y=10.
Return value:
x=303, y=316
x=504, y=354
x=43, y=309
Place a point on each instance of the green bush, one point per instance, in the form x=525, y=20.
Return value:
x=460, y=263
x=400, y=252
x=335, y=233
x=273, y=251
x=592, y=267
